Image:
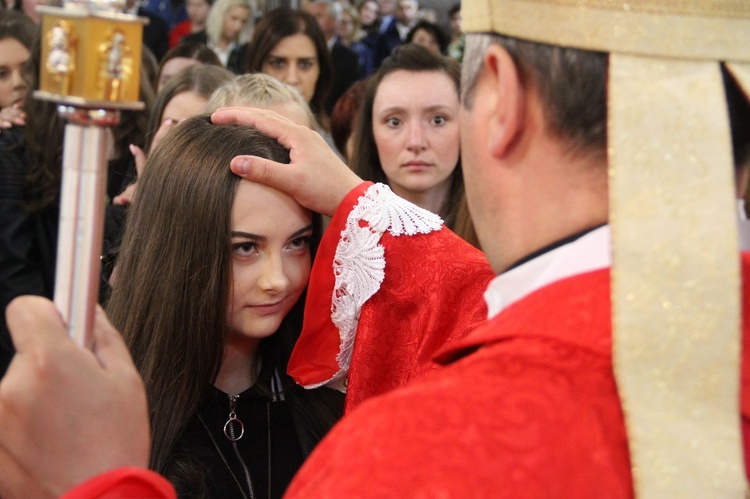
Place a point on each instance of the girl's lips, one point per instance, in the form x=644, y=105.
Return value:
x=269, y=308
x=416, y=166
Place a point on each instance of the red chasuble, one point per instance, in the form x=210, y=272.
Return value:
x=430, y=295
x=526, y=407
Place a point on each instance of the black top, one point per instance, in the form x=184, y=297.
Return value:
x=346, y=71
x=155, y=33
x=237, y=61
x=267, y=421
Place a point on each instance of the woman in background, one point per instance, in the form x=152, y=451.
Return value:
x=17, y=34
x=183, y=55
x=226, y=27
x=289, y=45
x=266, y=92
x=409, y=138
x=429, y=35
x=197, y=13
x=185, y=95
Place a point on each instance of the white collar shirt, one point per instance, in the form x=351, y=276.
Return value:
x=590, y=252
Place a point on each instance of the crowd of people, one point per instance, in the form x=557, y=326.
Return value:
x=352, y=252
x=298, y=47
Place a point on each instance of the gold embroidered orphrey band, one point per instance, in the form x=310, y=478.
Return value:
x=675, y=275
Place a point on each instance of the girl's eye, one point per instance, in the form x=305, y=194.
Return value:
x=302, y=242
x=276, y=63
x=305, y=64
x=393, y=122
x=246, y=248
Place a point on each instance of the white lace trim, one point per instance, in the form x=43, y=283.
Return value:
x=359, y=263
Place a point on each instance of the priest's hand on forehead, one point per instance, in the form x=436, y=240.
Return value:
x=316, y=177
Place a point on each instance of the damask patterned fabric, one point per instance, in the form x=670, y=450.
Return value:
x=527, y=407
x=428, y=294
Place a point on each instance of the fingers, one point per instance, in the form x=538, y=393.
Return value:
x=315, y=177
x=33, y=319
x=265, y=171
x=12, y=115
x=88, y=394
x=140, y=158
x=267, y=122
x=165, y=127
x=127, y=195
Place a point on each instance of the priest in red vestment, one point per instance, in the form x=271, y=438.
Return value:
x=596, y=154
x=599, y=182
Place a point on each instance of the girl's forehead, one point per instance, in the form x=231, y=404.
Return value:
x=266, y=211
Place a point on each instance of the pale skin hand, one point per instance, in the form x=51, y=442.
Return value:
x=316, y=177
x=12, y=115
x=128, y=194
x=66, y=413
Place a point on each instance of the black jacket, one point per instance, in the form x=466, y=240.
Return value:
x=346, y=71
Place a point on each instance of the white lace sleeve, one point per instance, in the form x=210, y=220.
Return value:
x=359, y=263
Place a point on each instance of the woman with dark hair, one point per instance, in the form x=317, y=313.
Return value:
x=193, y=86
x=183, y=96
x=408, y=138
x=429, y=35
x=289, y=45
x=183, y=55
x=16, y=39
x=197, y=13
x=209, y=298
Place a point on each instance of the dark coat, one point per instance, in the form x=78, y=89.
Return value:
x=155, y=33
x=346, y=71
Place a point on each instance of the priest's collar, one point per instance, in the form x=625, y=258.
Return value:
x=582, y=252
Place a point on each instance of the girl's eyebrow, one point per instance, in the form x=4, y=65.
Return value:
x=298, y=233
x=247, y=235
x=256, y=237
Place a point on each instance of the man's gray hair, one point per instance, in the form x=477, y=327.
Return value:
x=334, y=9
x=571, y=83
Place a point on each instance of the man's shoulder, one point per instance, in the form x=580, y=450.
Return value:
x=575, y=312
x=488, y=422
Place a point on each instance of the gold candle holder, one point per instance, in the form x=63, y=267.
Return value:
x=91, y=54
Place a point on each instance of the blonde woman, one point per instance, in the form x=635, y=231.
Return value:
x=266, y=92
x=227, y=30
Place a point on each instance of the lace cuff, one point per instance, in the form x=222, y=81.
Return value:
x=359, y=262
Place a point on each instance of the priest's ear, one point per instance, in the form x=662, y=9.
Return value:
x=508, y=100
